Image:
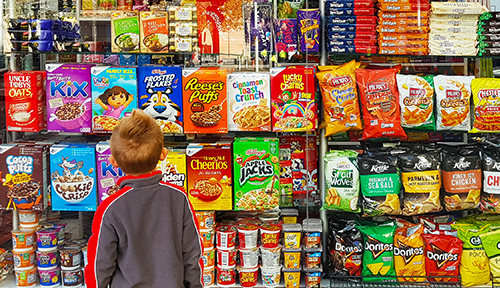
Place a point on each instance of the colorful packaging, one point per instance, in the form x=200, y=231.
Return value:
x=486, y=106
x=154, y=31
x=209, y=176
x=293, y=103
x=416, y=97
x=107, y=175
x=69, y=107
x=342, y=181
x=288, y=9
x=340, y=99
x=345, y=247
x=174, y=167
x=491, y=181
x=285, y=33
x=490, y=243
x=73, y=174
x=442, y=258
x=24, y=99
x=259, y=28
x=256, y=173
x=380, y=101
x=249, y=102
x=125, y=31
x=160, y=95
x=309, y=21
x=114, y=96
x=452, y=102
x=409, y=257
x=205, y=106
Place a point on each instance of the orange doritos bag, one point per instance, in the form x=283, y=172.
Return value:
x=340, y=99
x=380, y=101
x=409, y=257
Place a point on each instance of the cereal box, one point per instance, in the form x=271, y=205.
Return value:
x=23, y=174
x=174, y=167
x=73, y=176
x=205, y=106
x=309, y=29
x=285, y=33
x=107, y=175
x=154, y=31
x=160, y=95
x=249, y=102
x=69, y=106
x=293, y=102
x=125, y=31
x=256, y=173
x=209, y=176
x=114, y=96
x=24, y=93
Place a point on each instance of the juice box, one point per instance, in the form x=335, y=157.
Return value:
x=125, y=31
x=160, y=95
x=256, y=173
x=174, y=167
x=209, y=176
x=73, y=177
x=205, y=106
x=293, y=102
x=249, y=100
x=107, y=175
x=69, y=106
x=285, y=32
x=154, y=31
x=309, y=29
x=114, y=96
x=24, y=97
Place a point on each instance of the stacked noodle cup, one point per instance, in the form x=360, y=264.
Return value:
x=206, y=221
x=248, y=235
x=24, y=246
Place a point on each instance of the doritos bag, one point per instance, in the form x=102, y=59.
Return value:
x=452, y=102
x=409, y=258
x=486, y=94
x=461, y=177
x=340, y=99
x=474, y=267
x=442, y=257
x=346, y=248
x=491, y=245
x=378, y=254
x=491, y=181
x=416, y=97
x=380, y=101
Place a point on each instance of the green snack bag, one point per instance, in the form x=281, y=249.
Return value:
x=491, y=244
x=378, y=254
x=416, y=97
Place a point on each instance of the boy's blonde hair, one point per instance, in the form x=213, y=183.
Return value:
x=137, y=143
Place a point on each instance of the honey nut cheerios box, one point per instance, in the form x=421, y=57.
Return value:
x=174, y=166
x=256, y=173
x=114, y=96
x=209, y=175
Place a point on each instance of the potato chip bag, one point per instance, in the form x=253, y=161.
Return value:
x=452, y=102
x=486, y=95
x=378, y=255
x=491, y=244
x=346, y=248
x=442, y=257
x=340, y=99
x=380, y=100
x=490, y=198
x=409, y=257
x=416, y=98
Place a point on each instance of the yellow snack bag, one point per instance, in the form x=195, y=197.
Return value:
x=486, y=95
x=409, y=257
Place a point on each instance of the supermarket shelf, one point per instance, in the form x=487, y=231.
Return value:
x=94, y=19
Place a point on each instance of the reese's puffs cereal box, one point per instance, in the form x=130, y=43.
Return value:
x=209, y=175
x=205, y=106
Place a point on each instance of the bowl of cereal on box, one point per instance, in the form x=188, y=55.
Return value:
x=208, y=118
x=71, y=115
x=25, y=195
x=73, y=188
x=206, y=190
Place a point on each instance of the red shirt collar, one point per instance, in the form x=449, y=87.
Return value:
x=143, y=176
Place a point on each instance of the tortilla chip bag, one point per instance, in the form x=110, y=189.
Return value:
x=416, y=97
x=491, y=246
x=486, y=95
x=409, y=257
x=442, y=257
x=340, y=99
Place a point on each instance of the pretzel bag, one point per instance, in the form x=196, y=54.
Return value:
x=486, y=95
x=416, y=97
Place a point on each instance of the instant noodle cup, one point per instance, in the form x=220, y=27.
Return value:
x=271, y=257
x=23, y=238
x=247, y=234
x=292, y=259
x=47, y=238
x=24, y=257
x=313, y=259
x=49, y=277
x=249, y=258
x=313, y=279
x=209, y=277
x=208, y=258
x=292, y=279
x=206, y=219
x=226, y=276
x=226, y=258
x=46, y=258
x=312, y=235
x=26, y=276
x=226, y=237
x=270, y=235
x=208, y=237
x=271, y=276
x=248, y=276
x=28, y=217
x=292, y=234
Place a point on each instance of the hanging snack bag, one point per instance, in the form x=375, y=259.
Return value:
x=416, y=97
x=378, y=255
x=346, y=248
x=421, y=177
x=486, y=95
x=491, y=181
x=340, y=99
x=442, y=257
x=380, y=100
x=452, y=102
x=490, y=242
x=461, y=177
x=409, y=257
x=342, y=181
x=125, y=31
x=380, y=185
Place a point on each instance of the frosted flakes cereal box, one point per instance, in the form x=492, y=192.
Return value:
x=249, y=101
x=174, y=167
x=293, y=102
x=107, y=175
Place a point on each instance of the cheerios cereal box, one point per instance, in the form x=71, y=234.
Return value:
x=293, y=103
x=160, y=95
x=174, y=167
x=249, y=101
x=107, y=175
x=209, y=175
x=256, y=173
x=114, y=96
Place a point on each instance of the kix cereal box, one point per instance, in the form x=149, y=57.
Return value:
x=174, y=167
x=69, y=102
x=107, y=175
x=249, y=101
x=293, y=102
x=209, y=175
x=205, y=106
x=256, y=173
x=160, y=95
x=114, y=96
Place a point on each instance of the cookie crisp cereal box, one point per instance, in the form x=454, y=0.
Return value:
x=107, y=175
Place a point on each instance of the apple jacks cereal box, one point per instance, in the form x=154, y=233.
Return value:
x=107, y=175
x=174, y=167
x=256, y=173
x=249, y=102
x=293, y=103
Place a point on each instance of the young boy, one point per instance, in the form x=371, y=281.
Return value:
x=144, y=235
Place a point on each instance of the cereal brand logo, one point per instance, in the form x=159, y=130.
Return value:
x=248, y=90
x=70, y=279
x=462, y=164
x=255, y=168
x=489, y=94
x=209, y=163
x=101, y=81
x=376, y=247
x=247, y=277
x=212, y=90
x=113, y=171
x=440, y=256
x=20, y=86
x=174, y=178
x=19, y=164
x=292, y=81
x=255, y=152
x=68, y=88
x=270, y=238
x=46, y=240
x=45, y=278
x=377, y=86
x=43, y=259
x=159, y=81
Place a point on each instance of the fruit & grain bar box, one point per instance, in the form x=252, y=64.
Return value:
x=107, y=175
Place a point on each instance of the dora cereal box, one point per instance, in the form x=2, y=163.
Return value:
x=174, y=167
x=293, y=100
x=107, y=175
x=209, y=176
x=69, y=106
x=205, y=106
x=309, y=29
x=256, y=173
x=24, y=101
x=114, y=96
x=249, y=100
x=160, y=95
x=154, y=31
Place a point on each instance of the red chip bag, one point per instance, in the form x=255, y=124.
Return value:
x=442, y=257
x=380, y=100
